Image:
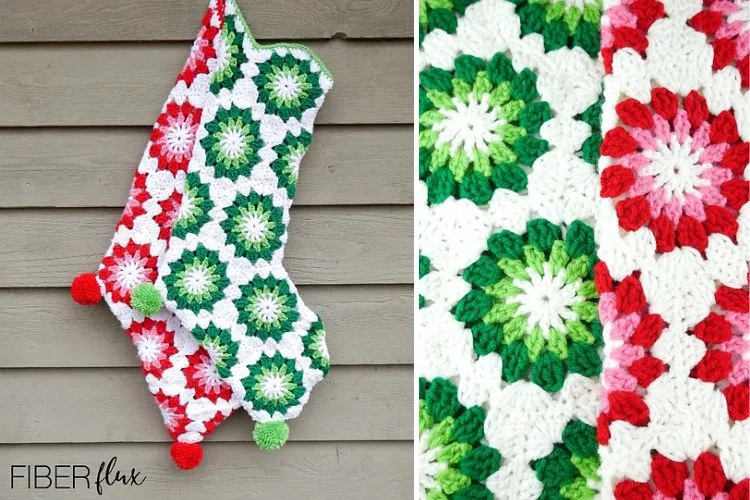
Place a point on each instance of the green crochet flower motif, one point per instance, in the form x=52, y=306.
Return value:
x=533, y=300
x=197, y=280
x=230, y=57
x=254, y=226
x=315, y=347
x=453, y=462
x=562, y=23
x=220, y=346
x=290, y=153
x=440, y=14
x=196, y=203
x=593, y=117
x=478, y=128
x=274, y=384
x=571, y=466
x=287, y=85
x=267, y=307
x=233, y=142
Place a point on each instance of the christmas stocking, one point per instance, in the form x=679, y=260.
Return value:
x=179, y=372
x=222, y=274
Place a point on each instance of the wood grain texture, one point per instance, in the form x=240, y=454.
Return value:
x=356, y=403
x=93, y=167
x=327, y=245
x=365, y=325
x=313, y=471
x=127, y=84
x=131, y=20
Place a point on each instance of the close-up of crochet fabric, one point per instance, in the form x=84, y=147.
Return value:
x=583, y=250
x=180, y=373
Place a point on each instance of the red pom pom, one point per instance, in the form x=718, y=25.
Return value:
x=85, y=289
x=186, y=455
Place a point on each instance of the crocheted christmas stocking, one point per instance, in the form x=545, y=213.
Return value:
x=222, y=274
x=180, y=373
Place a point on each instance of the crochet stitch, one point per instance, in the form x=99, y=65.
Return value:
x=509, y=341
x=673, y=231
x=180, y=373
x=222, y=274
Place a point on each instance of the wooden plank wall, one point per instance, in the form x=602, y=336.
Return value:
x=81, y=82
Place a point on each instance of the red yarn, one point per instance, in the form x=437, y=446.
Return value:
x=720, y=220
x=616, y=180
x=635, y=114
x=724, y=51
x=736, y=158
x=696, y=108
x=602, y=429
x=602, y=278
x=629, y=297
x=664, y=102
x=617, y=142
x=632, y=490
x=85, y=289
x=648, y=331
x=633, y=213
x=625, y=36
x=186, y=455
x=708, y=474
x=664, y=233
x=714, y=367
x=690, y=233
x=741, y=490
x=744, y=66
x=724, y=128
x=628, y=406
x=647, y=11
x=646, y=370
x=738, y=401
x=669, y=476
x=736, y=192
x=706, y=21
x=713, y=329
x=732, y=299
x=607, y=56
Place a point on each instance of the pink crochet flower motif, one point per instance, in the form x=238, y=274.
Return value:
x=727, y=21
x=126, y=267
x=174, y=136
x=202, y=50
x=201, y=376
x=155, y=344
x=628, y=23
x=680, y=170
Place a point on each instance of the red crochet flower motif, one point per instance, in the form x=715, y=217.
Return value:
x=202, y=376
x=170, y=209
x=125, y=268
x=674, y=480
x=680, y=169
x=155, y=344
x=628, y=24
x=174, y=414
x=726, y=22
x=174, y=136
x=201, y=51
x=138, y=196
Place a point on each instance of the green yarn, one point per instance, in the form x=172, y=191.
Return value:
x=442, y=399
x=555, y=469
x=424, y=266
x=584, y=359
x=145, y=299
x=548, y=372
x=542, y=234
x=515, y=361
x=579, y=240
x=580, y=438
x=475, y=187
x=480, y=463
x=483, y=272
x=487, y=338
x=510, y=176
x=271, y=435
x=469, y=427
x=473, y=492
x=473, y=306
x=561, y=24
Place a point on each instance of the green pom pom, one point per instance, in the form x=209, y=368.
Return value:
x=146, y=299
x=271, y=435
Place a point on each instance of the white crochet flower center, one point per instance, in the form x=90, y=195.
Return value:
x=254, y=227
x=429, y=467
x=267, y=308
x=169, y=415
x=222, y=52
x=286, y=85
x=197, y=280
x=149, y=347
x=232, y=142
x=676, y=169
x=272, y=386
x=179, y=138
x=208, y=375
x=130, y=273
x=546, y=299
x=186, y=207
x=469, y=126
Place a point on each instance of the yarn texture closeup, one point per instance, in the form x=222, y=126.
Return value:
x=583, y=250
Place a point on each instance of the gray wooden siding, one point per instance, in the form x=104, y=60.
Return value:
x=82, y=82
